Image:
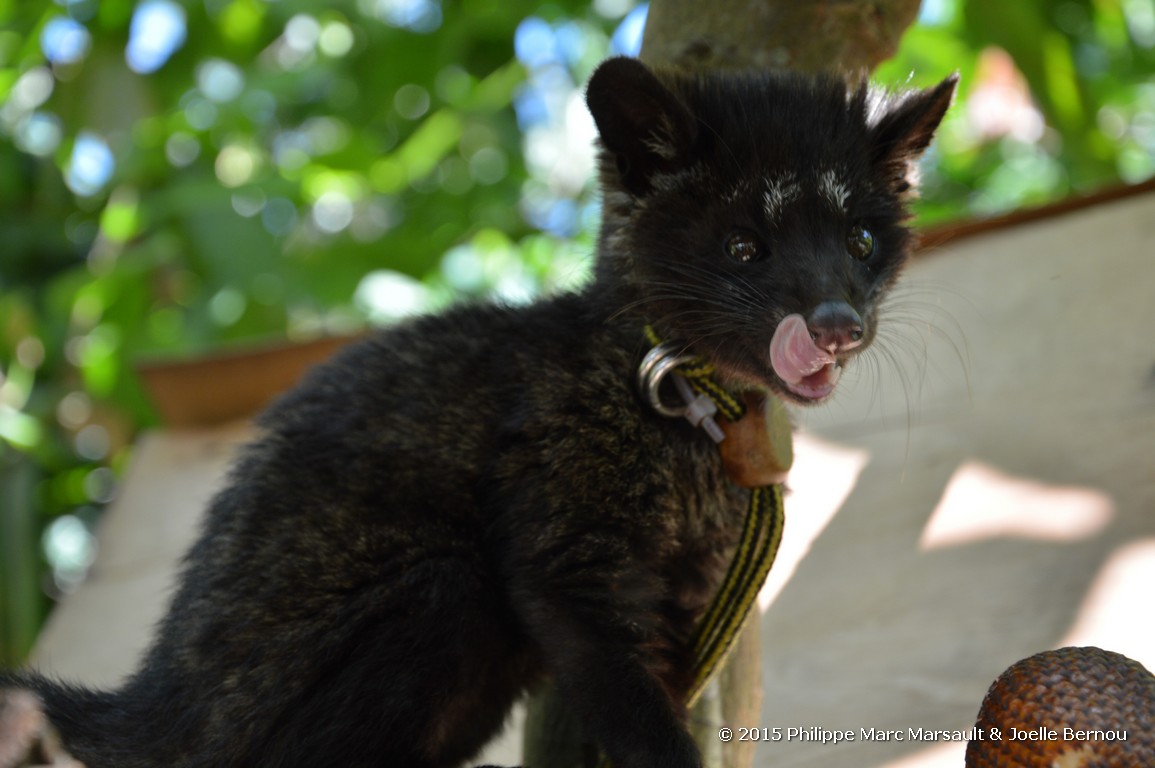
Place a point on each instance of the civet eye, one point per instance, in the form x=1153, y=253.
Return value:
x=860, y=243
x=743, y=247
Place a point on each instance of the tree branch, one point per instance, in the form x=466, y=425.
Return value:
x=803, y=35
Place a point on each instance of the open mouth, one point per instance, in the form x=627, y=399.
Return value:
x=808, y=371
x=818, y=385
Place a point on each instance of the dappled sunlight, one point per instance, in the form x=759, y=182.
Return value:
x=981, y=502
x=1116, y=611
x=1114, y=615
x=822, y=478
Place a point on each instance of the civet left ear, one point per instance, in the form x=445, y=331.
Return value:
x=646, y=128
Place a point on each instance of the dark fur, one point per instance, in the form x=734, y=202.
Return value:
x=468, y=502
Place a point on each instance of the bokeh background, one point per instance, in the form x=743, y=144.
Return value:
x=182, y=177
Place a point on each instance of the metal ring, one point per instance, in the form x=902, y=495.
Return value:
x=655, y=365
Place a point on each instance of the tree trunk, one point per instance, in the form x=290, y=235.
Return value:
x=803, y=35
x=734, y=700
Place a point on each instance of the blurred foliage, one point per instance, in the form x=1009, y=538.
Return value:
x=1057, y=98
x=177, y=176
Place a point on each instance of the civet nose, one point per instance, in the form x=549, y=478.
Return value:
x=835, y=327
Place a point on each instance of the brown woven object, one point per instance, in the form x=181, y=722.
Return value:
x=1068, y=708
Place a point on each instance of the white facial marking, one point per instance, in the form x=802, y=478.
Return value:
x=779, y=193
x=740, y=190
x=834, y=190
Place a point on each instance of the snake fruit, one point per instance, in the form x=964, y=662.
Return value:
x=1068, y=708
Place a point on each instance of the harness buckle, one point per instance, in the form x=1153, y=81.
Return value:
x=697, y=408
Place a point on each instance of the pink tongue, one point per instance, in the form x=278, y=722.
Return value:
x=793, y=353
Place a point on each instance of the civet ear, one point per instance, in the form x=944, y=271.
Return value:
x=901, y=127
x=642, y=124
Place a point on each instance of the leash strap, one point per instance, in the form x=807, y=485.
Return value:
x=724, y=619
x=761, y=534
